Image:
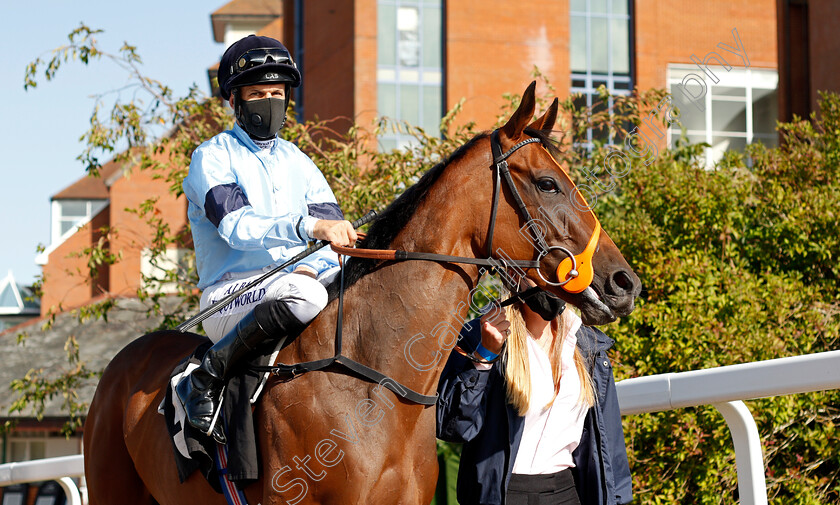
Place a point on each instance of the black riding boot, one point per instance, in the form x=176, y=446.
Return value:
x=201, y=393
x=269, y=322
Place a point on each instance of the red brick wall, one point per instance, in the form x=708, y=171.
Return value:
x=66, y=278
x=340, y=54
x=670, y=31
x=491, y=47
x=365, y=55
x=328, y=66
x=133, y=234
x=275, y=29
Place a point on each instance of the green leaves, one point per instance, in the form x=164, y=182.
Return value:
x=82, y=47
x=38, y=387
x=738, y=265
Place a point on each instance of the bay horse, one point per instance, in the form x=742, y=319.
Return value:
x=329, y=437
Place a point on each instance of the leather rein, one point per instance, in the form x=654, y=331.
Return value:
x=501, y=171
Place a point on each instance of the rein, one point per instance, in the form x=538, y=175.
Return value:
x=501, y=171
x=297, y=369
x=399, y=255
x=500, y=168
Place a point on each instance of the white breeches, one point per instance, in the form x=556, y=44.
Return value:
x=305, y=297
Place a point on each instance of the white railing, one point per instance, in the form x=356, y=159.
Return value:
x=59, y=469
x=723, y=387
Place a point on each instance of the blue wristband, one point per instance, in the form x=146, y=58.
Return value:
x=485, y=353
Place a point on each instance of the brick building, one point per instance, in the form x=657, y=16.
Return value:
x=809, y=54
x=413, y=60
x=82, y=216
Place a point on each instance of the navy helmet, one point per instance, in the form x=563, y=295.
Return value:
x=256, y=60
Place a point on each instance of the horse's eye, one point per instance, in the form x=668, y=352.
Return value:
x=547, y=185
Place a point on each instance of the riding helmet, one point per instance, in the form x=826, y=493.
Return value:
x=256, y=60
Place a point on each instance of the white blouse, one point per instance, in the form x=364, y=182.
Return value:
x=551, y=434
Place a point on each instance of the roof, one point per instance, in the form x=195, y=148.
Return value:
x=90, y=187
x=243, y=10
x=99, y=341
x=250, y=8
x=274, y=29
x=16, y=298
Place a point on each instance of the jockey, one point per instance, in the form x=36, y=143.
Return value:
x=255, y=200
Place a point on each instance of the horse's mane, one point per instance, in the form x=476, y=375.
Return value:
x=393, y=219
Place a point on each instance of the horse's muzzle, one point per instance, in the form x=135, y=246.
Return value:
x=604, y=302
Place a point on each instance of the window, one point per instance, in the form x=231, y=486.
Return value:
x=600, y=41
x=50, y=493
x=17, y=303
x=155, y=272
x=739, y=109
x=15, y=494
x=31, y=445
x=409, y=66
x=27, y=450
x=67, y=214
x=9, y=298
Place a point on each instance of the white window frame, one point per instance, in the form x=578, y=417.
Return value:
x=747, y=78
x=53, y=445
x=92, y=208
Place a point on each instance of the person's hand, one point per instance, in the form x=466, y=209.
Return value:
x=305, y=270
x=338, y=232
x=495, y=329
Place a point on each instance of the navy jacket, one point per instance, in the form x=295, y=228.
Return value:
x=472, y=410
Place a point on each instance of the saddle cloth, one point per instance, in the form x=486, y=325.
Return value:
x=193, y=449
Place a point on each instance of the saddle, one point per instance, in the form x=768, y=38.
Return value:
x=194, y=450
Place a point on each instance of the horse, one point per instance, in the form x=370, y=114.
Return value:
x=329, y=437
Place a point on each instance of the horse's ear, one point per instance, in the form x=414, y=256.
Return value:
x=546, y=122
x=520, y=119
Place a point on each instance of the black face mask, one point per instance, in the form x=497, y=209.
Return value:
x=262, y=118
x=545, y=305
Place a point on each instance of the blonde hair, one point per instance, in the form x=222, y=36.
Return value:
x=517, y=368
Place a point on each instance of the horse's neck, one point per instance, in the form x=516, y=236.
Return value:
x=408, y=326
x=401, y=319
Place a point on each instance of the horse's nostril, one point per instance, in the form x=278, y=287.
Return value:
x=623, y=281
x=620, y=283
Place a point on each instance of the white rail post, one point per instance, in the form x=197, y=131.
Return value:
x=71, y=491
x=749, y=460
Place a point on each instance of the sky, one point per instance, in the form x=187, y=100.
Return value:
x=40, y=128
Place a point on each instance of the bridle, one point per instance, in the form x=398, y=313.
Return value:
x=572, y=268
x=575, y=270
